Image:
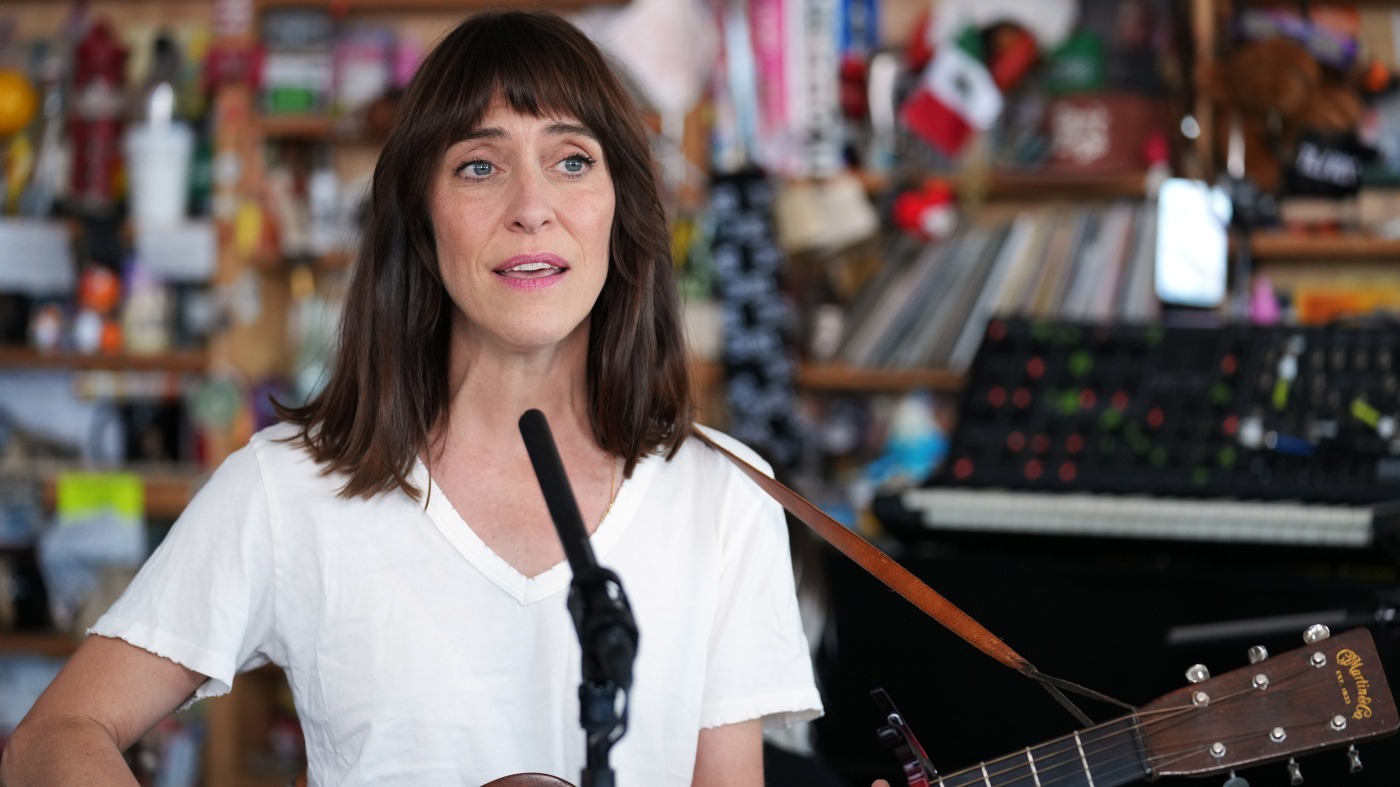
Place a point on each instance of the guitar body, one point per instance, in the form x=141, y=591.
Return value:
x=513, y=780
x=528, y=780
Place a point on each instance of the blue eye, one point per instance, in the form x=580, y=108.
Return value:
x=475, y=169
x=577, y=164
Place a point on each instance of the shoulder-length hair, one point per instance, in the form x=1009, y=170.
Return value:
x=388, y=388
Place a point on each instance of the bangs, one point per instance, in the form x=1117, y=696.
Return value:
x=532, y=71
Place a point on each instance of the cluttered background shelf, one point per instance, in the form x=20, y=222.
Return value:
x=883, y=291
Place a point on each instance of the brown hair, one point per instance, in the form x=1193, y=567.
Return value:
x=388, y=388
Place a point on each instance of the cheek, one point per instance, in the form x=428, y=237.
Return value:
x=604, y=221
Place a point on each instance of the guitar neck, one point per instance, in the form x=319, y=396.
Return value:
x=1328, y=694
x=1106, y=755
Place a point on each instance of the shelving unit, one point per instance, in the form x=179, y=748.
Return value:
x=347, y=6
x=842, y=378
x=38, y=644
x=1279, y=247
x=168, y=489
x=178, y=361
x=837, y=377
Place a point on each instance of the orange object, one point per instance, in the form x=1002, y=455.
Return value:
x=99, y=289
x=1377, y=77
x=112, y=340
x=18, y=101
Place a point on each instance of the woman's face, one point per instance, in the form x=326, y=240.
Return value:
x=522, y=211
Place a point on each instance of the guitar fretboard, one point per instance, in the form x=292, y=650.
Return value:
x=1106, y=755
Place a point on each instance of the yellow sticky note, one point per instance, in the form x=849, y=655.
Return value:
x=79, y=494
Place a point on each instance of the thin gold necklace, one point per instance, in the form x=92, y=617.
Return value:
x=612, y=493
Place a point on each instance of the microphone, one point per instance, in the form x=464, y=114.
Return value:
x=607, y=632
x=558, y=494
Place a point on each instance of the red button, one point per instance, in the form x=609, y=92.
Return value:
x=962, y=469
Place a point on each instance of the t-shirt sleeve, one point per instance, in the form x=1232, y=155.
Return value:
x=760, y=664
x=205, y=597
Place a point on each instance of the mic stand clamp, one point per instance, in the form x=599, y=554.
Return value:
x=608, y=640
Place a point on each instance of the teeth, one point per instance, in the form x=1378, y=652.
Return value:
x=532, y=266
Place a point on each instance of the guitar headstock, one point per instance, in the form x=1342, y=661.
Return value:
x=1325, y=695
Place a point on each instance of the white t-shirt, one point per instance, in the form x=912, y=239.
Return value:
x=416, y=656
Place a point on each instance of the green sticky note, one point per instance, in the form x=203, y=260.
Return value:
x=80, y=494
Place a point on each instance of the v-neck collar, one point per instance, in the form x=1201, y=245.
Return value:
x=528, y=590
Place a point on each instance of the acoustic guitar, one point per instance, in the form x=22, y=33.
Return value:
x=1325, y=695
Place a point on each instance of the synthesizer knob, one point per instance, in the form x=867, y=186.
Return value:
x=1198, y=674
x=1353, y=759
x=1257, y=654
x=1316, y=633
x=1295, y=773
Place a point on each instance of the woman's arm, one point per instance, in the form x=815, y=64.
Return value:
x=730, y=755
x=105, y=698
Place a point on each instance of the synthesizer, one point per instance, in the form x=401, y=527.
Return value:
x=1238, y=433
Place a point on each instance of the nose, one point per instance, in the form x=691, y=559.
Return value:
x=531, y=206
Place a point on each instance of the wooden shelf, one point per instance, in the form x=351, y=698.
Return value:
x=397, y=6
x=835, y=377
x=296, y=126
x=1034, y=186
x=176, y=361
x=168, y=489
x=1051, y=185
x=839, y=377
x=46, y=643
x=1284, y=247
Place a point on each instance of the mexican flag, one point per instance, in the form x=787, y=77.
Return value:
x=956, y=96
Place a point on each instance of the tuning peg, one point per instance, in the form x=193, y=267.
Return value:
x=1316, y=633
x=1257, y=654
x=1235, y=781
x=1198, y=674
x=1354, y=759
x=1295, y=774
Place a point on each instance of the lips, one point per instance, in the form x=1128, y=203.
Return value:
x=530, y=266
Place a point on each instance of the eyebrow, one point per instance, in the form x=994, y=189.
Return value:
x=559, y=128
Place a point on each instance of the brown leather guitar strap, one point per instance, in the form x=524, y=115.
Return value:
x=901, y=581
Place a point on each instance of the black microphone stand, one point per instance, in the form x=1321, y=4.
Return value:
x=607, y=632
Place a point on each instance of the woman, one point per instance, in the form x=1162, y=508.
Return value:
x=389, y=545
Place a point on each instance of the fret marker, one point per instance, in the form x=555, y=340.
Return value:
x=1034, y=773
x=1083, y=758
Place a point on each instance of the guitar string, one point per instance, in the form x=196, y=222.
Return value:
x=1107, y=767
x=1130, y=723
